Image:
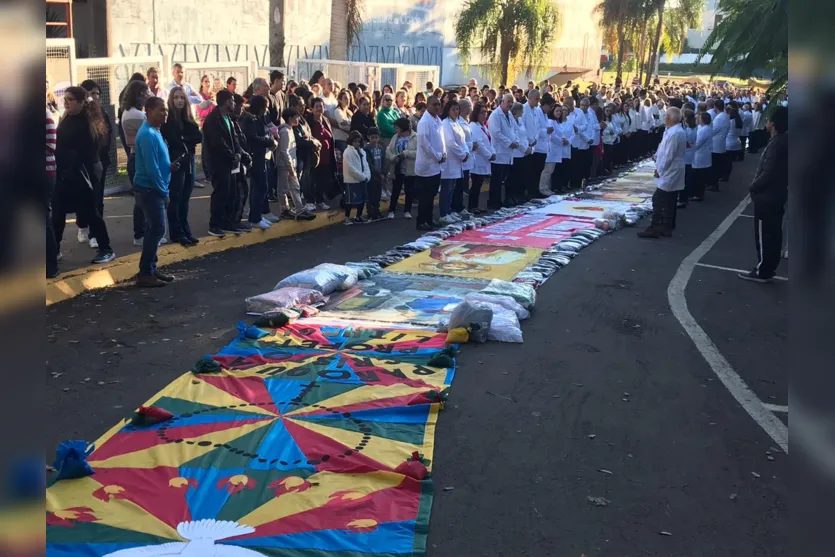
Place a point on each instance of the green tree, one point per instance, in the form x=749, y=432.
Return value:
x=510, y=35
x=752, y=35
x=616, y=18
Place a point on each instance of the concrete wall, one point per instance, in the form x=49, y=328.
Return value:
x=409, y=31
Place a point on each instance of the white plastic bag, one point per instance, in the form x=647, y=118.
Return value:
x=350, y=280
x=283, y=298
x=506, y=302
x=505, y=325
x=323, y=280
x=471, y=313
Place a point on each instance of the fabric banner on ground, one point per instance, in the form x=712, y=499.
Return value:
x=531, y=230
x=621, y=195
x=579, y=208
x=401, y=298
x=301, y=461
x=469, y=260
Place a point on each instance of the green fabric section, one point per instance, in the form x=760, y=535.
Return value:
x=244, y=502
x=422, y=521
x=224, y=458
x=85, y=532
x=407, y=433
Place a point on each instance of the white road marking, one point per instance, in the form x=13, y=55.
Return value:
x=776, y=408
x=731, y=269
x=772, y=425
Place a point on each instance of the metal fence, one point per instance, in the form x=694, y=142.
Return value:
x=372, y=74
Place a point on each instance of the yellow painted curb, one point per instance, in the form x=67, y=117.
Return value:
x=73, y=283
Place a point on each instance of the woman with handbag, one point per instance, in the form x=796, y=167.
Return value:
x=78, y=139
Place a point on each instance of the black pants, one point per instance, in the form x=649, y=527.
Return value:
x=401, y=182
x=83, y=200
x=580, y=166
x=740, y=155
x=768, y=237
x=374, y=192
x=535, y=166
x=717, y=166
x=664, y=209
x=323, y=185
x=475, y=191
x=498, y=180
x=223, y=200
x=689, y=184
x=514, y=191
x=98, y=190
x=458, y=193
x=427, y=190
x=242, y=188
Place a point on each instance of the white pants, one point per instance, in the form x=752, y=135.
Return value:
x=545, y=178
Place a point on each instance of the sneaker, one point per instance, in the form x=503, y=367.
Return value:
x=263, y=224
x=199, y=184
x=215, y=231
x=231, y=229
x=785, y=254
x=375, y=218
x=52, y=275
x=310, y=207
x=753, y=276
x=385, y=196
x=269, y=217
x=407, y=215
x=465, y=214
x=348, y=221
x=390, y=216
x=149, y=281
x=104, y=256
x=182, y=240
x=192, y=240
x=138, y=241
x=425, y=227
x=94, y=243
x=243, y=226
x=697, y=199
x=323, y=207
x=681, y=205
x=59, y=257
x=164, y=277
x=163, y=241
x=305, y=216
x=83, y=235
x=448, y=219
x=360, y=220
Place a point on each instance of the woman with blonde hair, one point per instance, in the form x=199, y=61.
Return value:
x=401, y=103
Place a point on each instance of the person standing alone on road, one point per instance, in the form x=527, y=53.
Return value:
x=769, y=192
x=669, y=169
x=151, y=183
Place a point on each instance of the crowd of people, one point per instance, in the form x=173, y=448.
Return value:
x=304, y=145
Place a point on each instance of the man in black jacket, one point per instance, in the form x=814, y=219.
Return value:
x=769, y=192
x=225, y=154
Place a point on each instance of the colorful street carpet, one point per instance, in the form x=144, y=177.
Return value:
x=466, y=260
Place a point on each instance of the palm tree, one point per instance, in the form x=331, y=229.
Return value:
x=752, y=35
x=510, y=35
x=616, y=16
x=346, y=26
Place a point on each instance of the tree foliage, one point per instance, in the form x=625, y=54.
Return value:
x=752, y=35
x=510, y=35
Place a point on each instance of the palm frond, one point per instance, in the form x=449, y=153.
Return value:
x=354, y=21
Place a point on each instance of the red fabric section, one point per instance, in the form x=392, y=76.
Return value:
x=150, y=489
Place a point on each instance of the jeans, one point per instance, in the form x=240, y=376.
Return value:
x=427, y=189
x=182, y=184
x=153, y=207
x=138, y=218
x=447, y=189
x=458, y=192
x=288, y=187
x=401, y=181
x=258, y=191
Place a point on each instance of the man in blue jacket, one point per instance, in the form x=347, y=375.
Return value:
x=151, y=181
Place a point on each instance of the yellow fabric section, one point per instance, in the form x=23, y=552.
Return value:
x=468, y=260
x=119, y=513
x=292, y=503
x=177, y=454
x=385, y=451
x=429, y=434
x=362, y=394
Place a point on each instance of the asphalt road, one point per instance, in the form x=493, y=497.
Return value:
x=676, y=455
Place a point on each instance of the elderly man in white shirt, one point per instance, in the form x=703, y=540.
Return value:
x=537, y=128
x=669, y=170
x=721, y=125
x=431, y=154
x=580, y=153
x=505, y=142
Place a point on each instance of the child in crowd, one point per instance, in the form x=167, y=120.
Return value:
x=357, y=175
x=375, y=154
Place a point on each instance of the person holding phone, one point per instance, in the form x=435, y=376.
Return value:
x=151, y=186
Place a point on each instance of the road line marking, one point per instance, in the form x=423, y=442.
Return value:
x=731, y=269
x=749, y=401
x=776, y=408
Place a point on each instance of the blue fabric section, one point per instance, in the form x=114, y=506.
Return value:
x=86, y=549
x=389, y=537
x=417, y=414
x=200, y=419
x=206, y=500
x=279, y=444
x=283, y=391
